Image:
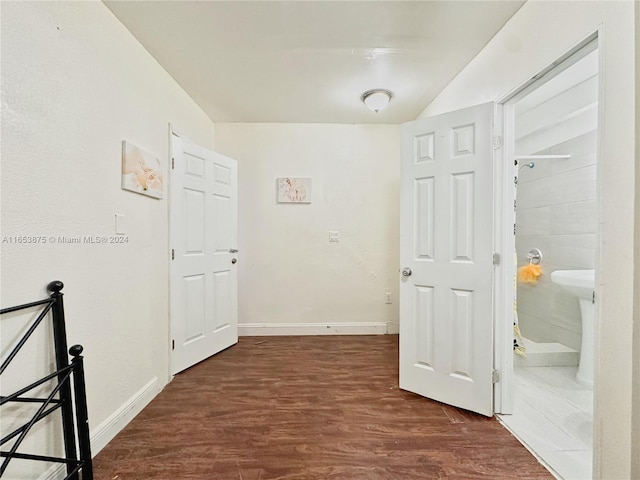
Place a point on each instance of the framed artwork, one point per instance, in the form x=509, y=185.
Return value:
x=294, y=190
x=141, y=171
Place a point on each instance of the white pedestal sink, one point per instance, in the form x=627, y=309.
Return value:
x=581, y=283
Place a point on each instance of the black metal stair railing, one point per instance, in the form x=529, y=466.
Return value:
x=62, y=397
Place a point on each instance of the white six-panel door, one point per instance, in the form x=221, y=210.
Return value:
x=446, y=223
x=203, y=278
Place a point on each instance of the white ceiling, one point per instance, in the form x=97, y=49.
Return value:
x=310, y=61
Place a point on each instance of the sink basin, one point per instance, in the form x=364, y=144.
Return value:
x=581, y=283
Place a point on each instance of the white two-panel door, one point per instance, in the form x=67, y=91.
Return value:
x=203, y=226
x=446, y=258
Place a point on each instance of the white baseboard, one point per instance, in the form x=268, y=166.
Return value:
x=119, y=419
x=108, y=429
x=335, y=328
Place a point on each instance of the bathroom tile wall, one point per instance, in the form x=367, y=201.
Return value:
x=556, y=202
x=557, y=213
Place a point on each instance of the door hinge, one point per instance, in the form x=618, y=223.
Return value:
x=495, y=376
x=173, y=254
x=496, y=259
x=173, y=344
x=497, y=142
x=593, y=297
x=173, y=164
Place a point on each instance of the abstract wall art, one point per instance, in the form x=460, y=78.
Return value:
x=294, y=190
x=141, y=171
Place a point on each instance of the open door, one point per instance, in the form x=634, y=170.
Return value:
x=203, y=226
x=446, y=255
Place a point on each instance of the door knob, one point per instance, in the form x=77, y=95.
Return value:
x=233, y=250
x=234, y=260
x=406, y=272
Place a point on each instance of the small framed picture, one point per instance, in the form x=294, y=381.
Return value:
x=141, y=171
x=294, y=190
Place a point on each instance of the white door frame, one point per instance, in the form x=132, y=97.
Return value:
x=171, y=132
x=504, y=244
x=504, y=216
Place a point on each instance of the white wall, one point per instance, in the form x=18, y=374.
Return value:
x=538, y=34
x=291, y=278
x=75, y=83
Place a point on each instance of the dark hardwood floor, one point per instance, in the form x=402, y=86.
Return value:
x=315, y=408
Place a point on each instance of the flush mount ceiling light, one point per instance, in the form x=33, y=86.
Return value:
x=377, y=99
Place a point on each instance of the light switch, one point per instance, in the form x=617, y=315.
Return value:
x=334, y=236
x=120, y=224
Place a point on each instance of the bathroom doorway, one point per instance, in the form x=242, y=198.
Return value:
x=553, y=154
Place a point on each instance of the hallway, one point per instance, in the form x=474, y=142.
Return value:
x=322, y=407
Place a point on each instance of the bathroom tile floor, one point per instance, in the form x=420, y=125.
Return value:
x=553, y=416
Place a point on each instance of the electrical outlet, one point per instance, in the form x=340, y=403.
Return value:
x=387, y=297
x=334, y=236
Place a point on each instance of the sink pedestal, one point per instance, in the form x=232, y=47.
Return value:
x=581, y=284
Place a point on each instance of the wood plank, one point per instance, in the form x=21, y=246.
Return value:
x=323, y=407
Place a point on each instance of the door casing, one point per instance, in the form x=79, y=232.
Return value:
x=504, y=215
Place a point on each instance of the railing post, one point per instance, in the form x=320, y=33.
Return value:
x=82, y=415
x=62, y=360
